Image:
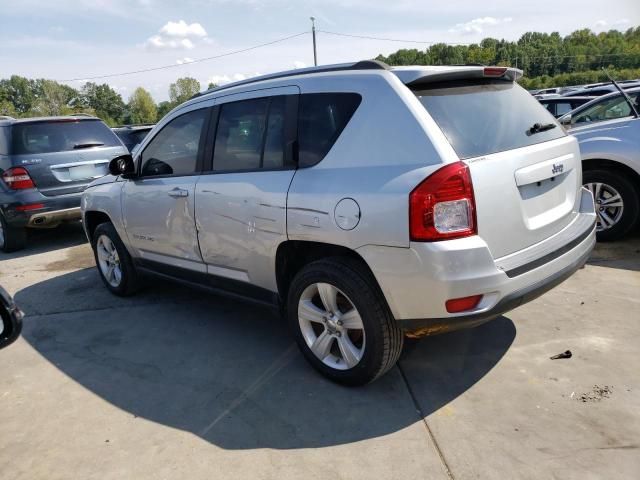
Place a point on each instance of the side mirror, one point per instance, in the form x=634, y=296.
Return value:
x=122, y=166
x=566, y=120
x=11, y=319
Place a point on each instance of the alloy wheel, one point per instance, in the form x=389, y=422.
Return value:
x=331, y=326
x=109, y=261
x=609, y=205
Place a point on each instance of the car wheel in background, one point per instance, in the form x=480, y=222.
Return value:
x=11, y=238
x=616, y=201
x=113, y=261
x=342, y=323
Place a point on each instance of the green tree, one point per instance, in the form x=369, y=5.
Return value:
x=7, y=108
x=53, y=98
x=212, y=85
x=142, y=108
x=183, y=90
x=164, y=108
x=19, y=91
x=105, y=101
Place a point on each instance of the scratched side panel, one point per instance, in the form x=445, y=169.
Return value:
x=241, y=220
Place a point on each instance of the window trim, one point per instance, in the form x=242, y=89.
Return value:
x=290, y=160
x=199, y=156
x=297, y=149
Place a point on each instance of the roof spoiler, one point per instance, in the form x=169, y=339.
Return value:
x=413, y=78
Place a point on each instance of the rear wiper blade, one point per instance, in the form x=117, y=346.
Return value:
x=87, y=145
x=540, y=127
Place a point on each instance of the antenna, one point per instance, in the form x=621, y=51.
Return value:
x=624, y=94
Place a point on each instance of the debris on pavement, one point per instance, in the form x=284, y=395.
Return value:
x=565, y=354
x=598, y=393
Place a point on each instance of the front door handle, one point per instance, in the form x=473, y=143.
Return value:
x=178, y=193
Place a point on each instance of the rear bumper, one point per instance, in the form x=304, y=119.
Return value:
x=417, y=281
x=50, y=211
x=432, y=326
x=53, y=218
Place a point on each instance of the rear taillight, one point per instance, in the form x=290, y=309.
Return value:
x=17, y=178
x=442, y=207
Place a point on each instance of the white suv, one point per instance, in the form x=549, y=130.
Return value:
x=368, y=202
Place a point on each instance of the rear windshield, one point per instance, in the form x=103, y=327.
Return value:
x=47, y=137
x=483, y=118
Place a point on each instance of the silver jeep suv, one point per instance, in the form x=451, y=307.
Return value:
x=368, y=202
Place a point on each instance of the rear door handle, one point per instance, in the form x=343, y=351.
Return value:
x=178, y=193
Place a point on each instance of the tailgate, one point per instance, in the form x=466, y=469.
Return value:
x=525, y=170
x=524, y=196
x=61, y=173
x=63, y=155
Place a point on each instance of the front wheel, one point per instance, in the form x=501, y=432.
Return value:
x=113, y=261
x=616, y=202
x=342, y=323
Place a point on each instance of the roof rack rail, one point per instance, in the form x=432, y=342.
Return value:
x=361, y=65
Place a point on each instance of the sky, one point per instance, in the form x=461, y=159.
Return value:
x=73, y=40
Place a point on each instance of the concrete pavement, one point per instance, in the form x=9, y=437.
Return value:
x=177, y=383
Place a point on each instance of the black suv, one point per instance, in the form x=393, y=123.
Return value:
x=45, y=165
x=558, y=106
x=132, y=135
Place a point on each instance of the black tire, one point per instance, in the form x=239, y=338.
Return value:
x=630, y=200
x=13, y=238
x=129, y=282
x=384, y=339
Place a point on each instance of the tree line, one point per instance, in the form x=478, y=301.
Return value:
x=547, y=60
x=23, y=97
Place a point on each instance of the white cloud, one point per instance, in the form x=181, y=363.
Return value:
x=184, y=60
x=223, y=79
x=177, y=35
x=477, y=25
x=601, y=23
x=219, y=79
x=621, y=22
x=182, y=29
x=298, y=64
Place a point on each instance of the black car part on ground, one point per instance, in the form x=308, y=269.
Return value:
x=11, y=319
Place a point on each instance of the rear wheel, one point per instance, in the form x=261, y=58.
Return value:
x=113, y=261
x=341, y=322
x=11, y=238
x=616, y=201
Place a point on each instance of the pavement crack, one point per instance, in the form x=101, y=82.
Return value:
x=423, y=417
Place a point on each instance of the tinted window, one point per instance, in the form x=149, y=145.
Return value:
x=61, y=136
x=562, y=108
x=4, y=140
x=321, y=119
x=488, y=117
x=131, y=138
x=174, y=150
x=608, y=109
x=250, y=135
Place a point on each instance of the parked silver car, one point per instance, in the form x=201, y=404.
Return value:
x=368, y=202
x=608, y=130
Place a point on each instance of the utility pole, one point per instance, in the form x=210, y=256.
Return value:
x=313, y=33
